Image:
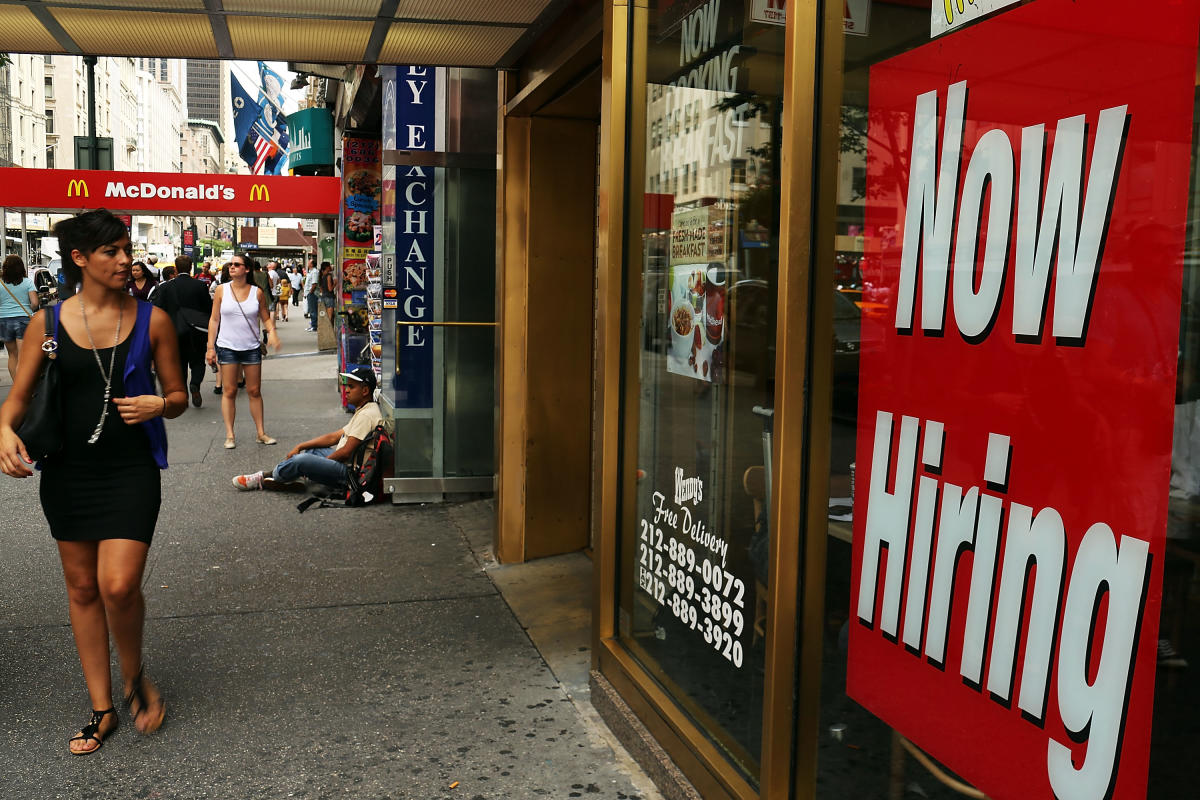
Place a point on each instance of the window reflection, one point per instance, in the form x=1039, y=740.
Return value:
x=695, y=574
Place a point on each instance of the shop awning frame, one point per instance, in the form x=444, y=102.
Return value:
x=460, y=33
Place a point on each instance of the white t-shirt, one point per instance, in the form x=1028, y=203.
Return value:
x=239, y=328
x=362, y=423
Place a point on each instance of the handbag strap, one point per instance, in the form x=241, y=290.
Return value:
x=233, y=294
x=4, y=283
x=49, y=339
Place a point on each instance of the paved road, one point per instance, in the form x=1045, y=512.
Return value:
x=339, y=653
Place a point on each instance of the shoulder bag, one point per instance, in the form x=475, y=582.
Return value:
x=11, y=294
x=41, y=429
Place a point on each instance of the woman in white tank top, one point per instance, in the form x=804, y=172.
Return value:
x=239, y=308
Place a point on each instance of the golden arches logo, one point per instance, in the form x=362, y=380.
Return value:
x=77, y=186
x=259, y=192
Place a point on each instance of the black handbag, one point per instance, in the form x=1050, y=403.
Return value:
x=41, y=429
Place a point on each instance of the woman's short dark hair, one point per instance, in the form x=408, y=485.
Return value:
x=14, y=270
x=86, y=232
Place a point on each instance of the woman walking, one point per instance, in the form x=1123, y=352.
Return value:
x=325, y=284
x=141, y=281
x=239, y=308
x=101, y=492
x=18, y=301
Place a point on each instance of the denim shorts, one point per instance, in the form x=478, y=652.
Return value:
x=12, y=328
x=227, y=356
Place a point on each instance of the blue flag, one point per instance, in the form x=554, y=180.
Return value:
x=245, y=113
x=271, y=125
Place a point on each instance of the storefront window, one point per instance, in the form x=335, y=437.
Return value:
x=694, y=573
x=1014, y=510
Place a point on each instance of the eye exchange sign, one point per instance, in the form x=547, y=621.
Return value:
x=416, y=120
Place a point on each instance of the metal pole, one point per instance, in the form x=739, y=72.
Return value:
x=24, y=240
x=93, y=157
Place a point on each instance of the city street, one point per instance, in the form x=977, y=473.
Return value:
x=362, y=653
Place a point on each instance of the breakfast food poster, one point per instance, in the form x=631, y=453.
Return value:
x=361, y=184
x=696, y=293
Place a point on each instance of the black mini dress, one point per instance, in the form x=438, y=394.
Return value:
x=110, y=489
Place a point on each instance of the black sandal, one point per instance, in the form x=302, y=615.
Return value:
x=91, y=732
x=137, y=694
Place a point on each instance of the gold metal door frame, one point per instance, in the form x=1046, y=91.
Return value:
x=817, y=82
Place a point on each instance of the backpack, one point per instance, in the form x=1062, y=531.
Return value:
x=364, y=472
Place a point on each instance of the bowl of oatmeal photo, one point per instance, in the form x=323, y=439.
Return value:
x=683, y=329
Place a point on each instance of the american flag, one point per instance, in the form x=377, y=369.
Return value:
x=263, y=149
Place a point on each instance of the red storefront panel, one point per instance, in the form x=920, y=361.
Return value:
x=68, y=190
x=1028, y=183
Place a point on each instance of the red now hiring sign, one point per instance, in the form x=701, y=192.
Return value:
x=1027, y=186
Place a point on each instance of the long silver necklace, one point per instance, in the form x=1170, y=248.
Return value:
x=112, y=360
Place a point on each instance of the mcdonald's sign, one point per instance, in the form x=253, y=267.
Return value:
x=68, y=191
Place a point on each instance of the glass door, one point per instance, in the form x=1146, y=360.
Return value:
x=437, y=288
x=693, y=575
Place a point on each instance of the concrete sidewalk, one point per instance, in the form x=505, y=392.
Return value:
x=344, y=652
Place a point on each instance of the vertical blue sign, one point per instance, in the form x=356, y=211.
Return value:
x=416, y=118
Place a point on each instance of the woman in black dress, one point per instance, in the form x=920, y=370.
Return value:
x=101, y=492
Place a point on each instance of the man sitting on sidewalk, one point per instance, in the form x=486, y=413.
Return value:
x=324, y=458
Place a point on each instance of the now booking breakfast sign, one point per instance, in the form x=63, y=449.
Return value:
x=1027, y=186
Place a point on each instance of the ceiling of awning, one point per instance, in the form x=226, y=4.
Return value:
x=464, y=33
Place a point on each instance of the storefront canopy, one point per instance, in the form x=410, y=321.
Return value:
x=433, y=32
x=73, y=190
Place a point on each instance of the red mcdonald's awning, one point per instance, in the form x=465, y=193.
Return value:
x=72, y=190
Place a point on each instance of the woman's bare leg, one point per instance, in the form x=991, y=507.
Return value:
x=120, y=565
x=13, y=349
x=89, y=624
x=229, y=389
x=254, y=390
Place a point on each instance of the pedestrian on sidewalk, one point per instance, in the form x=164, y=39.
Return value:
x=167, y=275
x=239, y=308
x=187, y=303
x=324, y=459
x=311, y=293
x=222, y=277
x=325, y=285
x=101, y=493
x=18, y=301
x=141, y=280
x=284, y=288
x=297, y=277
x=274, y=273
x=262, y=279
